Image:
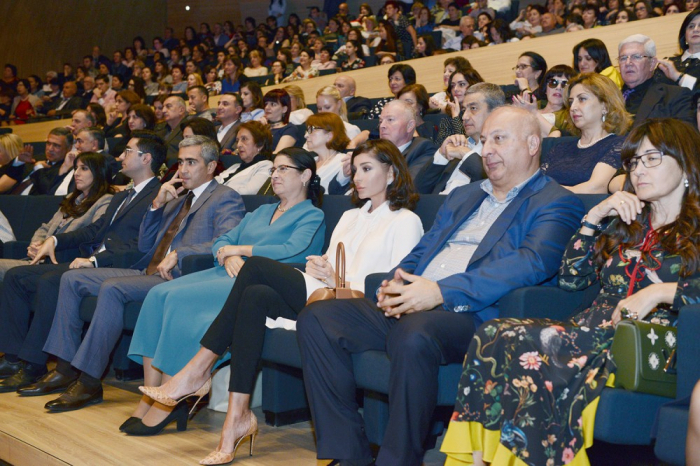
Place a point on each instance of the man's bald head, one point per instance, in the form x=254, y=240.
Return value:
x=345, y=86
x=511, y=152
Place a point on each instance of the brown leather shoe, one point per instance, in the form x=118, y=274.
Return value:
x=52, y=382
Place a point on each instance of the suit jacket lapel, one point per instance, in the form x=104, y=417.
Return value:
x=200, y=202
x=652, y=97
x=144, y=192
x=500, y=226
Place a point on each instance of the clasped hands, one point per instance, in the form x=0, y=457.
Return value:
x=230, y=259
x=407, y=293
x=319, y=268
x=454, y=147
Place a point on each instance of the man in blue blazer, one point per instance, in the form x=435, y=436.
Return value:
x=173, y=228
x=115, y=233
x=488, y=238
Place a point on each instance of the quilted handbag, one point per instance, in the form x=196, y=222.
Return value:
x=645, y=357
x=340, y=291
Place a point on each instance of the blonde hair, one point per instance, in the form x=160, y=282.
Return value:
x=617, y=119
x=11, y=144
x=197, y=79
x=297, y=95
x=331, y=91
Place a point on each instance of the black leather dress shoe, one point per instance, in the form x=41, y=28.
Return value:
x=52, y=382
x=19, y=380
x=76, y=396
x=8, y=368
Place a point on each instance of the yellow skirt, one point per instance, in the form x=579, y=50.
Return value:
x=463, y=438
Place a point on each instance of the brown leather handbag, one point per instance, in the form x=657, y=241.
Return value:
x=340, y=291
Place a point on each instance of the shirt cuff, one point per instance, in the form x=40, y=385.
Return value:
x=55, y=242
x=688, y=81
x=439, y=159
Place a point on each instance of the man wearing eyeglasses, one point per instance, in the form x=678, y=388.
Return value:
x=644, y=97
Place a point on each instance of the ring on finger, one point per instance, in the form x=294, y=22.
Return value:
x=622, y=202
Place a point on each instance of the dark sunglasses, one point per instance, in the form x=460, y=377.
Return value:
x=554, y=83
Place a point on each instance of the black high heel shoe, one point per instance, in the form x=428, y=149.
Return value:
x=179, y=414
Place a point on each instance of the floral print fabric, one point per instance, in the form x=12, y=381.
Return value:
x=531, y=379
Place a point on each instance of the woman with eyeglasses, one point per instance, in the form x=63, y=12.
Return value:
x=326, y=137
x=253, y=143
x=376, y=235
x=591, y=56
x=530, y=388
x=596, y=113
x=552, y=116
x=683, y=69
x=176, y=314
x=529, y=76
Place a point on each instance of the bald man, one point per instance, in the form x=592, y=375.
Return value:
x=346, y=87
x=488, y=239
x=68, y=101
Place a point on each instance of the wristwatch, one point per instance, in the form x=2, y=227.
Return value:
x=592, y=226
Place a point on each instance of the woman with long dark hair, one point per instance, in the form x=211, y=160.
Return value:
x=683, y=69
x=376, y=235
x=591, y=56
x=641, y=245
x=87, y=203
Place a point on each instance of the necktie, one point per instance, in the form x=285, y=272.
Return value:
x=167, y=239
x=129, y=198
x=626, y=93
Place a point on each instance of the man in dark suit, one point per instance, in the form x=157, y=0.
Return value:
x=488, y=238
x=346, y=88
x=68, y=101
x=644, y=97
x=228, y=113
x=397, y=123
x=174, y=227
x=458, y=161
x=174, y=111
x=115, y=233
x=42, y=175
x=88, y=91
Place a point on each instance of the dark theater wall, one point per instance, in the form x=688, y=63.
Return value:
x=38, y=35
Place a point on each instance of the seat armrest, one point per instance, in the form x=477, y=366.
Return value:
x=196, y=263
x=688, y=352
x=372, y=282
x=15, y=249
x=545, y=302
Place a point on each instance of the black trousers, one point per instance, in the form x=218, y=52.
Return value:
x=330, y=332
x=17, y=336
x=263, y=288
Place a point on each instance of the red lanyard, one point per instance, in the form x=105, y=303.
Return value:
x=649, y=244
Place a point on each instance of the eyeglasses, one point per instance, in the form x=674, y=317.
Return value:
x=649, y=160
x=311, y=129
x=282, y=169
x=636, y=58
x=554, y=83
x=129, y=150
x=521, y=67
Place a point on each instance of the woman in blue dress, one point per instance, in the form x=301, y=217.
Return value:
x=175, y=315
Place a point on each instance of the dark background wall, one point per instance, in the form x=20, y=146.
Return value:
x=38, y=35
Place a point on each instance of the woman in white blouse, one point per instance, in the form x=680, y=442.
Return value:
x=253, y=144
x=325, y=135
x=376, y=235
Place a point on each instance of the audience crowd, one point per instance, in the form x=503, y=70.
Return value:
x=152, y=173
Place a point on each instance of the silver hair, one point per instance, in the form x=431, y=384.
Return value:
x=646, y=41
x=408, y=111
x=210, y=150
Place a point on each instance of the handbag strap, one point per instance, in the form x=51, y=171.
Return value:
x=340, y=266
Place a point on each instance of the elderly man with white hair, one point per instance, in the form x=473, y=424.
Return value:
x=644, y=97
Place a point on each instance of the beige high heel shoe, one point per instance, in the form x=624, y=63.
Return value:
x=156, y=394
x=219, y=457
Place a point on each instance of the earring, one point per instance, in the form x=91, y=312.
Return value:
x=686, y=183
x=388, y=182
x=303, y=183
x=604, y=117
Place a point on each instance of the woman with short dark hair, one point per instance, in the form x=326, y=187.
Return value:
x=399, y=76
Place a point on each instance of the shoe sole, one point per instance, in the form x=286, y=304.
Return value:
x=65, y=410
x=55, y=390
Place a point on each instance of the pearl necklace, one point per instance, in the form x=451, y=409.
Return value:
x=279, y=207
x=592, y=143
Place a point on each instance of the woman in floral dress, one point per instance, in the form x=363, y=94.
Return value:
x=530, y=387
